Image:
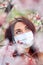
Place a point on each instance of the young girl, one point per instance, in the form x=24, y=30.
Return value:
x=20, y=50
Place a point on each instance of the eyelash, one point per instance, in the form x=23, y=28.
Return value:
x=18, y=32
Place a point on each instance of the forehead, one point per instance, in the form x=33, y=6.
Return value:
x=19, y=25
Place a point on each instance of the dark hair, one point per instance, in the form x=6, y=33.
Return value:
x=8, y=33
x=30, y=25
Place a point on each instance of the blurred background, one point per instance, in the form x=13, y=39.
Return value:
x=32, y=9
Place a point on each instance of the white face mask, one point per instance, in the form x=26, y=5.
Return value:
x=24, y=40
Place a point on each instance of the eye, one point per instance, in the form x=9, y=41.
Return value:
x=26, y=28
x=18, y=31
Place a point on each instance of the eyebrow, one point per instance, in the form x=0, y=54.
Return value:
x=17, y=30
x=20, y=29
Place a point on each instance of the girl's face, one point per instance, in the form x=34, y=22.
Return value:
x=20, y=28
x=23, y=37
